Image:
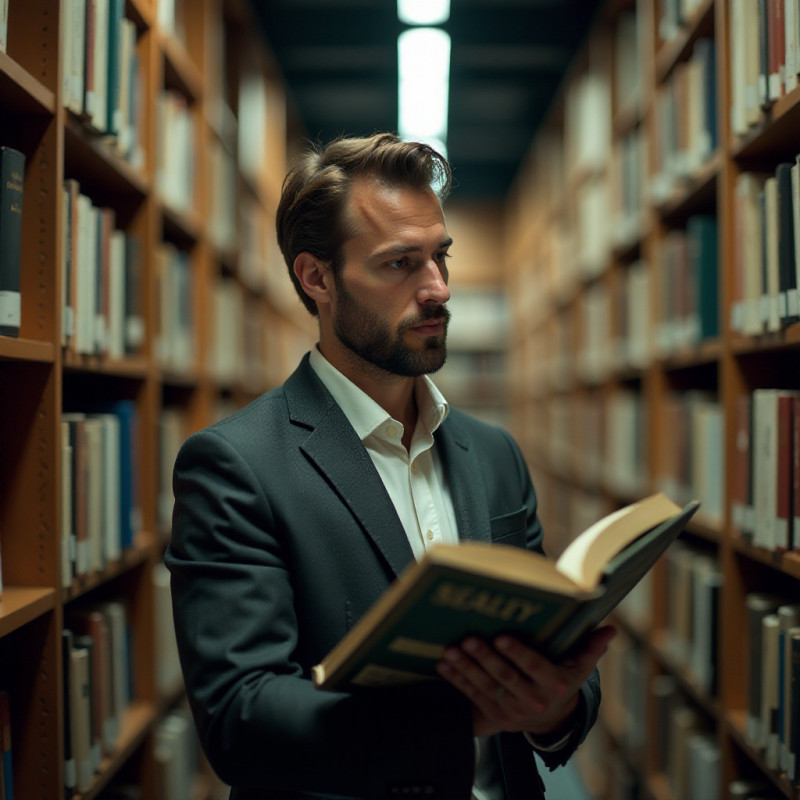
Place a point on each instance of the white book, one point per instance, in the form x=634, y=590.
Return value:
x=111, y=534
x=85, y=251
x=770, y=308
x=67, y=529
x=3, y=25
x=67, y=43
x=116, y=295
x=95, y=487
x=791, y=37
x=765, y=466
x=99, y=111
x=80, y=723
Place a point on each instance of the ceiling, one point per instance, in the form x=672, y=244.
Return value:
x=339, y=59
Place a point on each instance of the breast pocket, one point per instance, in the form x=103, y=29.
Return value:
x=509, y=528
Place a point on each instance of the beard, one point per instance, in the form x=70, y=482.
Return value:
x=370, y=337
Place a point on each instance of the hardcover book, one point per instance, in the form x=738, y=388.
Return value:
x=483, y=589
x=12, y=176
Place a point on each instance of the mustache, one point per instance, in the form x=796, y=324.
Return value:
x=429, y=313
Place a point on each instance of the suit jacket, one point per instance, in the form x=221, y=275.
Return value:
x=283, y=536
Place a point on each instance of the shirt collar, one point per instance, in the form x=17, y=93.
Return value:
x=363, y=413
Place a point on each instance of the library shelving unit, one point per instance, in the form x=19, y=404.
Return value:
x=636, y=344
x=188, y=176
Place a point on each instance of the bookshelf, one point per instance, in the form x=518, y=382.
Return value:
x=639, y=335
x=180, y=179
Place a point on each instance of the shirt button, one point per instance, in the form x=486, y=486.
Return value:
x=429, y=534
x=414, y=467
x=391, y=431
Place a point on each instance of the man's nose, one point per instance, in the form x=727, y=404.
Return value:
x=433, y=288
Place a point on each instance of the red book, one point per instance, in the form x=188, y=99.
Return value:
x=796, y=472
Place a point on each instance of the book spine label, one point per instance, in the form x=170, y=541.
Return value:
x=12, y=176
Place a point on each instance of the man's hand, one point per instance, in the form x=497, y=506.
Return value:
x=513, y=688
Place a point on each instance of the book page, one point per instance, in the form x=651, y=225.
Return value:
x=584, y=559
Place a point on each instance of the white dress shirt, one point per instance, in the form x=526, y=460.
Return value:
x=415, y=482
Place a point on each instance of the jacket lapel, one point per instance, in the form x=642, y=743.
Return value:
x=463, y=474
x=337, y=452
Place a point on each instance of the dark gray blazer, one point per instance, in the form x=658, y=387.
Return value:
x=283, y=536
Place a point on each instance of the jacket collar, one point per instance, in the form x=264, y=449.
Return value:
x=338, y=453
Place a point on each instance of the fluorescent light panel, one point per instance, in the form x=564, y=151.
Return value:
x=423, y=12
x=424, y=75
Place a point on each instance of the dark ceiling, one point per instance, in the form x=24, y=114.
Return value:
x=339, y=59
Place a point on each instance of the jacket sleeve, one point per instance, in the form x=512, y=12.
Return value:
x=261, y=721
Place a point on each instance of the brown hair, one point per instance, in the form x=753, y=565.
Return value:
x=310, y=216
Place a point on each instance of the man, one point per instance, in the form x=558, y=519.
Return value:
x=295, y=514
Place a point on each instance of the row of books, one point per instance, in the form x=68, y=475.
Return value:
x=686, y=285
x=766, y=263
x=765, y=506
x=765, y=35
x=12, y=184
x=674, y=15
x=176, y=151
x=629, y=167
x=97, y=688
x=773, y=681
x=101, y=269
x=694, y=462
x=100, y=505
x=102, y=81
x=694, y=582
x=176, y=348
x=687, y=127
x=177, y=755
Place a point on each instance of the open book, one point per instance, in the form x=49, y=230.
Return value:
x=488, y=589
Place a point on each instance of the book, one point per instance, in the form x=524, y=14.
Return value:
x=12, y=178
x=483, y=589
x=6, y=762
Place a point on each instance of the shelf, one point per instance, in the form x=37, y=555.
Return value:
x=20, y=605
x=136, y=368
x=767, y=342
x=21, y=92
x=137, y=722
x=131, y=558
x=788, y=563
x=180, y=71
x=26, y=350
x=678, y=48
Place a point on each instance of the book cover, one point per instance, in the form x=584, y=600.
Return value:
x=758, y=605
x=12, y=179
x=783, y=472
x=788, y=618
x=701, y=231
x=482, y=589
x=788, y=307
x=70, y=767
x=5, y=746
x=794, y=733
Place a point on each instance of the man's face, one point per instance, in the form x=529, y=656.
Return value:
x=390, y=293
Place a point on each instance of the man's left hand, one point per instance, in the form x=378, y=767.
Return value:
x=513, y=688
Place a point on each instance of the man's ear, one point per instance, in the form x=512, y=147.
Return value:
x=314, y=276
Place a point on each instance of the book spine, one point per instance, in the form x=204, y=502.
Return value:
x=794, y=736
x=12, y=176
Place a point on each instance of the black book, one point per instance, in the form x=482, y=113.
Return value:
x=12, y=178
x=787, y=274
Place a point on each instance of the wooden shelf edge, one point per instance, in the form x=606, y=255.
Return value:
x=788, y=563
x=20, y=605
x=133, y=557
x=136, y=722
x=133, y=367
x=673, y=50
x=12, y=349
x=25, y=91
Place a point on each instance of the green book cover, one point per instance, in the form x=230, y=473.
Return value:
x=12, y=177
x=482, y=589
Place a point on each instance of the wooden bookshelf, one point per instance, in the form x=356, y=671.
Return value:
x=204, y=58
x=563, y=414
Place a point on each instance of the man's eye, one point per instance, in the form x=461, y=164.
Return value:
x=399, y=263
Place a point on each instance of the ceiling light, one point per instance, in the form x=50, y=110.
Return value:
x=423, y=12
x=424, y=85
